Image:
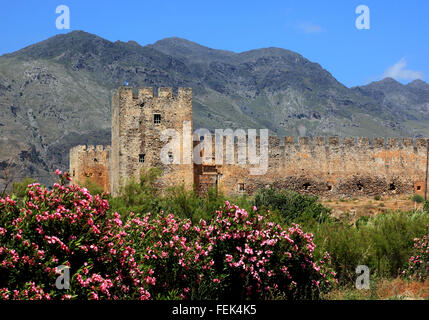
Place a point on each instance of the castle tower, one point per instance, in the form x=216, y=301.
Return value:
x=142, y=125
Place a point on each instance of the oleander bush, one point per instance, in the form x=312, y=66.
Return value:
x=236, y=254
x=70, y=227
x=418, y=268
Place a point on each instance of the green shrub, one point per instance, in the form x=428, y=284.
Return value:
x=377, y=197
x=138, y=196
x=144, y=196
x=92, y=187
x=362, y=221
x=417, y=198
x=182, y=202
x=384, y=243
x=292, y=206
x=348, y=248
x=188, y=204
x=426, y=206
x=211, y=202
x=19, y=189
x=393, y=236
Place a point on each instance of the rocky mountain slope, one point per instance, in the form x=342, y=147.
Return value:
x=56, y=94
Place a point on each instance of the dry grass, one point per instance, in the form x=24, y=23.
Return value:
x=385, y=289
x=368, y=206
x=403, y=289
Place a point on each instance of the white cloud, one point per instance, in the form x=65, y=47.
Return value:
x=310, y=27
x=398, y=72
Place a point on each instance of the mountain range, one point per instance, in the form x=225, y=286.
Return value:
x=56, y=94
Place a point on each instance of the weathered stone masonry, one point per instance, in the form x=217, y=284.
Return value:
x=335, y=167
x=137, y=123
x=326, y=166
x=91, y=163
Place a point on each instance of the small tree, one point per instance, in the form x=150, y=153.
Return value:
x=417, y=198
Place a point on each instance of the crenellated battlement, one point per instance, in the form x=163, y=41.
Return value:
x=147, y=93
x=345, y=143
x=90, y=148
x=352, y=145
x=352, y=142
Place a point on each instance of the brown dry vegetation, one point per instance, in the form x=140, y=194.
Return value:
x=358, y=207
x=385, y=289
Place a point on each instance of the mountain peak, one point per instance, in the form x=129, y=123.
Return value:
x=177, y=41
x=184, y=43
x=75, y=35
x=418, y=84
x=189, y=50
x=80, y=32
x=383, y=84
x=54, y=46
x=392, y=84
x=389, y=81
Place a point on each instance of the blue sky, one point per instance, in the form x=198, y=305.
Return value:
x=323, y=31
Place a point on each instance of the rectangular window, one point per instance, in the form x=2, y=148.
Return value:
x=241, y=187
x=157, y=118
x=141, y=157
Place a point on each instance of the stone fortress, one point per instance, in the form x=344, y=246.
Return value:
x=325, y=166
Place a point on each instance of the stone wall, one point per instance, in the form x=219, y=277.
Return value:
x=332, y=167
x=90, y=163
